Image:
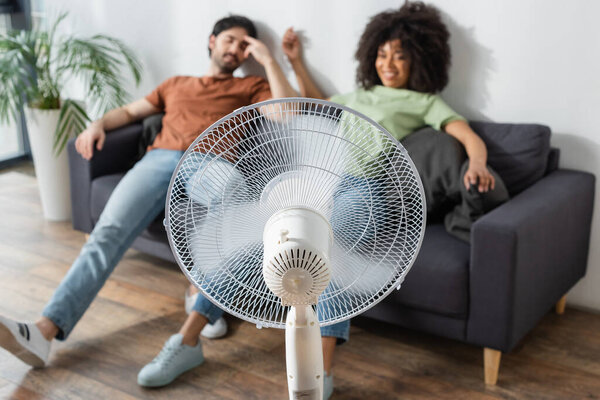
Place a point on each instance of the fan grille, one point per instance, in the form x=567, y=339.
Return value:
x=324, y=157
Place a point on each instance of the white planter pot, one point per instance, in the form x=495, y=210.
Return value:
x=52, y=172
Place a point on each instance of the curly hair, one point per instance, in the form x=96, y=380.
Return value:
x=424, y=39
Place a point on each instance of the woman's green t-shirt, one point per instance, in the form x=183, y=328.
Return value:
x=400, y=111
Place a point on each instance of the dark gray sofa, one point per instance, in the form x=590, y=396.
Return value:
x=523, y=258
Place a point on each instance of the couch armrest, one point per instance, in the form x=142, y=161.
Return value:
x=525, y=255
x=553, y=160
x=118, y=154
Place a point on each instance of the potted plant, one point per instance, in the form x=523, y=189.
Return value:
x=34, y=68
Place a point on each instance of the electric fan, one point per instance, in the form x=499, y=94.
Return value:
x=295, y=213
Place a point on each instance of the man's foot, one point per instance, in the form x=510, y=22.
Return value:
x=216, y=330
x=328, y=386
x=173, y=360
x=210, y=331
x=25, y=341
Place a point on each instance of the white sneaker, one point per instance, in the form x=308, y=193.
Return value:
x=210, y=331
x=216, y=330
x=25, y=341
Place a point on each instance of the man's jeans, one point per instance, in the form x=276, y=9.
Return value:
x=136, y=201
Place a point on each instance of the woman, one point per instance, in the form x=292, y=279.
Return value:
x=403, y=58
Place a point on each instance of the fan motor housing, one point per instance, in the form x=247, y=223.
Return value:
x=296, y=266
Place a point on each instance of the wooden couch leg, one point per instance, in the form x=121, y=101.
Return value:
x=491, y=365
x=560, y=305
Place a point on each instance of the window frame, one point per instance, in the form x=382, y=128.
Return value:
x=20, y=18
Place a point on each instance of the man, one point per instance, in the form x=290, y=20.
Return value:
x=191, y=104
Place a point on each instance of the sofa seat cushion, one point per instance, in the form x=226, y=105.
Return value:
x=439, y=280
x=103, y=187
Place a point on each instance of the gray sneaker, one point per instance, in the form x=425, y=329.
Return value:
x=173, y=360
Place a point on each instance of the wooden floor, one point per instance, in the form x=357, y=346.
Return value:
x=141, y=306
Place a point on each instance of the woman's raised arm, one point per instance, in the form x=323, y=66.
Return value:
x=293, y=50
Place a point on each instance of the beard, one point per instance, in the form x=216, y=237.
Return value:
x=227, y=66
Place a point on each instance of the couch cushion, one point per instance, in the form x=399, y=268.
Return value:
x=102, y=188
x=518, y=152
x=439, y=280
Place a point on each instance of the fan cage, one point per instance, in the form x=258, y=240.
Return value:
x=325, y=157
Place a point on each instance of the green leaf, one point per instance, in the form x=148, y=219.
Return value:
x=34, y=66
x=71, y=121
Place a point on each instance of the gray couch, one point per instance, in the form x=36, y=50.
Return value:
x=523, y=258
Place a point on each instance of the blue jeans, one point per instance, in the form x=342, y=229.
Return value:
x=136, y=201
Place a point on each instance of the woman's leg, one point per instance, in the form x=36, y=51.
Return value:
x=328, y=343
x=357, y=204
x=332, y=335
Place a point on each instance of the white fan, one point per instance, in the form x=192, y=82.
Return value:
x=304, y=213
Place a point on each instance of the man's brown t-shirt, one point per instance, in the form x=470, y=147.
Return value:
x=192, y=104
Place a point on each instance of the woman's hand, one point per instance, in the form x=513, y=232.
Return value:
x=478, y=174
x=292, y=48
x=291, y=45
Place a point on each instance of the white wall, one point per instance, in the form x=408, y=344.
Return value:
x=513, y=61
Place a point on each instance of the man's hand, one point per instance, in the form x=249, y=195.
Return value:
x=259, y=51
x=115, y=118
x=94, y=134
x=479, y=174
x=291, y=45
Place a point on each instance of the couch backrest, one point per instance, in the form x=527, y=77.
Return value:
x=518, y=152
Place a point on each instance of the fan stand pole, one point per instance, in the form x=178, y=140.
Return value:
x=304, y=354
